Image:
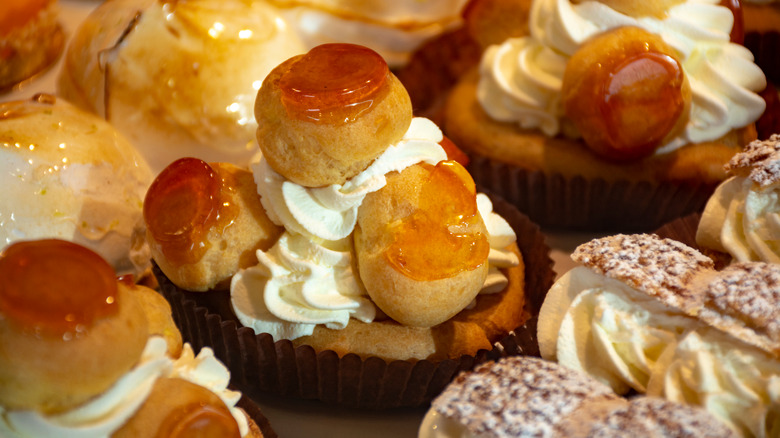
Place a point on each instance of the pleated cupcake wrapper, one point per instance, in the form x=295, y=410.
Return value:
x=261, y=366
x=766, y=49
x=684, y=230
x=253, y=411
x=595, y=205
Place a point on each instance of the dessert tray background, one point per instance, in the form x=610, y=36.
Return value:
x=295, y=418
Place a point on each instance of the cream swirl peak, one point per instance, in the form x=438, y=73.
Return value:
x=521, y=79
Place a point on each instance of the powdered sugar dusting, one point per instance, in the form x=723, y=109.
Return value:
x=760, y=161
x=648, y=416
x=662, y=268
x=746, y=295
x=517, y=397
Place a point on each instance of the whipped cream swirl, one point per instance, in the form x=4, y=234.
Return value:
x=521, y=79
x=107, y=413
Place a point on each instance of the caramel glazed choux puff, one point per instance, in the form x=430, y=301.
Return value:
x=84, y=353
x=612, y=89
x=373, y=233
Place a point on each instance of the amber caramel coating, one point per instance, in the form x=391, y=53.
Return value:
x=471, y=330
x=231, y=247
x=626, y=93
x=158, y=314
x=410, y=301
x=494, y=21
x=172, y=399
x=467, y=124
x=316, y=154
x=50, y=374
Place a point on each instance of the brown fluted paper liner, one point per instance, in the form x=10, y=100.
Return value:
x=253, y=411
x=579, y=204
x=260, y=365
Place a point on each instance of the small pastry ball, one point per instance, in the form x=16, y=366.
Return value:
x=325, y=116
x=68, y=174
x=68, y=329
x=626, y=92
x=421, y=244
x=205, y=222
x=177, y=78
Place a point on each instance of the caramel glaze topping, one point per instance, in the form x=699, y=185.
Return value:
x=334, y=84
x=183, y=203
x=55, y=287
x=199, y=420
x=436, y=242
x=644, y=83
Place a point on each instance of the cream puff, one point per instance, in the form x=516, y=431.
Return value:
x=178, y=79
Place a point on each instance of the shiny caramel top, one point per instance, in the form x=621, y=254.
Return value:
x=334, y=83
x=437, y=241
x=55, y=287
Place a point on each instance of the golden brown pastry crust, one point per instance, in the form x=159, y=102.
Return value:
x=232, y=248
x=467, y=124
x=49, y=374
x=320, y=154
x=158, y=314
x=493, y=316
x=410, y=302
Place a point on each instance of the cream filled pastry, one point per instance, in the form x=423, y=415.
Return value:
x=69, y=174
x=743, y=216
x=394, y=29
x=178, y=78
x=653, y=316
x=68, y=378
x=722, y=76
x=530, y=397
x=354, y=183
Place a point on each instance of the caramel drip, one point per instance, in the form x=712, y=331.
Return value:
x=334, y=84
x=436, y=241
x=184, y=203
x=55, y=287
